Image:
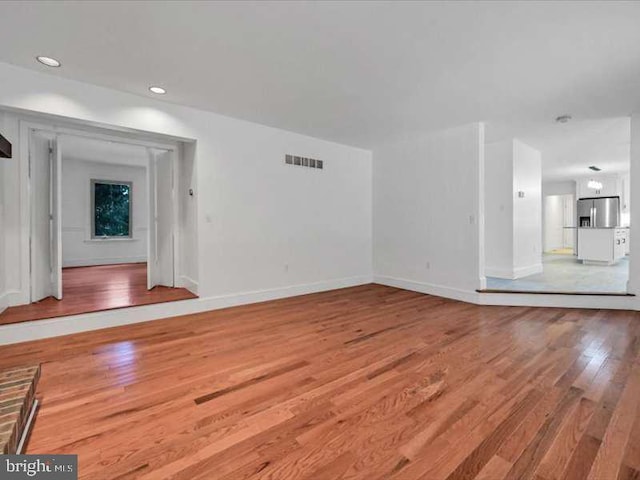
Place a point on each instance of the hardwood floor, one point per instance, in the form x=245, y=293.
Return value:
x=362, y=383
x=92, y=289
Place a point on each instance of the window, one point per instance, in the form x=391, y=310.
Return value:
x=110, y=209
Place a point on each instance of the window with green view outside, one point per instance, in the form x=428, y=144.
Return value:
x=111, y=206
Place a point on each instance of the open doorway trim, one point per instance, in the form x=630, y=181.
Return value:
x=27, y=128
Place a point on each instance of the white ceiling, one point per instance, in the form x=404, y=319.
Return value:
x=569, y=149
x=353, y=72
x=94, y=150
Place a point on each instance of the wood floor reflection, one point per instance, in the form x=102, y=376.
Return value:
x=96, y=288
x=364, y=383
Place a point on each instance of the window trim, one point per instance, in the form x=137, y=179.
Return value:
x=92, y=212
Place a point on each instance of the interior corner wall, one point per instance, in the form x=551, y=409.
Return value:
x=78, y=248
x=498, y=215
x=633, y=284
x=12, y=257
x=527, y=210
x=426, y=203
x=265, y=229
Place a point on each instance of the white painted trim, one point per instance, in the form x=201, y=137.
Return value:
x=515, y=299
x=54, y=327
x=4, y=301
x=526, y=271
x=513, y=274
x=429, y=288
x=88, y=262
x=88, y=130
x=608, y=302
x=497, y=272
x=189, y=283
x=27, y=426
x=14, y=297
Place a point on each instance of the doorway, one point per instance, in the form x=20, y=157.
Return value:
x=559, y=224
x=103, y=225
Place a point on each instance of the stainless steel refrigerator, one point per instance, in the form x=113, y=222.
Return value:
x=599, y=212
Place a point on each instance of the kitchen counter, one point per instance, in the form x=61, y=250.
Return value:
x=602, y=246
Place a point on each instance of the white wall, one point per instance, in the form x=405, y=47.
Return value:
x=567, y=187
x=513, y=242
x=188, y=218
x=10, y=259
x=527, y=211
x=427, y=206
x=498, y=216
x=78, y=249
x=262, y=225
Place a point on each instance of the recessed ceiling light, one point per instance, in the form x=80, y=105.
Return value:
x=563, y=118
x=48, y=61
x=158, y=90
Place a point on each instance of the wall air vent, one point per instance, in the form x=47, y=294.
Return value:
x=303, y=161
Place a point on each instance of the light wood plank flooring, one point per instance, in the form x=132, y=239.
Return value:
x=361, y=383
x=96, y=288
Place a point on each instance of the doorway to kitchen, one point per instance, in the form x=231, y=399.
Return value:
x=557, y=209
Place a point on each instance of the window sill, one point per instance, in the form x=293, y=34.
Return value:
x=110, y=239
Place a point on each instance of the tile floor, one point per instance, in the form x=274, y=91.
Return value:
x=564, y=273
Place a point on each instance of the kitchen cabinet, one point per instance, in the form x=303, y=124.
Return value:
x=611, y=187
x=625, y=241
x=602, y=245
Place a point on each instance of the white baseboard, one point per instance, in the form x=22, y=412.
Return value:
x=606, y=302
x=54, y=327
x=4, y=301
x=91, y=262
x=188, y=283
x=526, y=271
x=515, y=299
x=512, y=274
x=429, y=288
x=15, y=297
x=497, y=272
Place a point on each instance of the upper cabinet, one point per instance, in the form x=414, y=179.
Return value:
x=611, y=187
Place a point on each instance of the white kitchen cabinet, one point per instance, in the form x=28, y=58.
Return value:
x=611, y=187
x=601, y=245
x=625, y=240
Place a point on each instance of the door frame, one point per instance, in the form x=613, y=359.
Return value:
x=129, y=138
x=175, y=214
x=49, y=136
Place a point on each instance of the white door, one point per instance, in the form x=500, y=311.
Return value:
x=40, y=194
x=161, y=200
x=56, y=217
x=46, y=231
